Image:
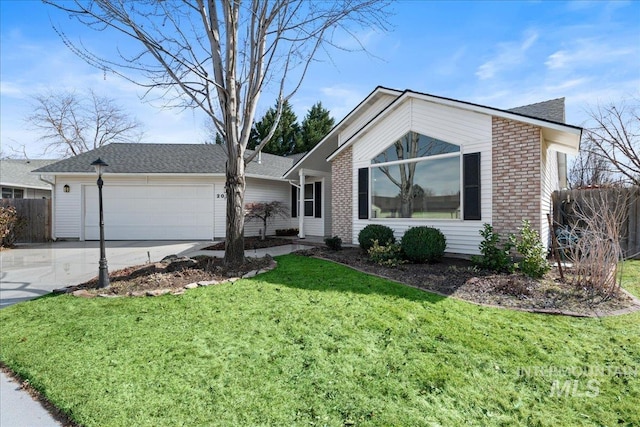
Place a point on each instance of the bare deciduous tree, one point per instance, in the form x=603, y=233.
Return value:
x=598, y=226
x=72, y=124
x=589, y=169
x=615, y=138
x=219, y=56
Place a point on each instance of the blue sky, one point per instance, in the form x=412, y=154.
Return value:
x=501, y=54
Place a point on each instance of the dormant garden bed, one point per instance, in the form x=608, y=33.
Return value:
x=451, y=277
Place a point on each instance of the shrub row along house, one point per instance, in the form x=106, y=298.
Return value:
x=400, y=158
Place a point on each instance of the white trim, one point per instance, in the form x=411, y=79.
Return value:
x=363, y=104
x=173, y=175
x=29, y=186
x=301, y=205
x=572, y=130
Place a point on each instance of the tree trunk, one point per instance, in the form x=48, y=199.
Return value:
x=234, y=187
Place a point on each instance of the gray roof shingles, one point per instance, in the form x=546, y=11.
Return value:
x=552, y=110
x=18, y=172
x=166, y=159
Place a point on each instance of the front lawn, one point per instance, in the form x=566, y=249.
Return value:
x=631, y=276
x=315, y=343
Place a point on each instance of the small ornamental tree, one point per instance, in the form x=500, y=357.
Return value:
x=264, y=211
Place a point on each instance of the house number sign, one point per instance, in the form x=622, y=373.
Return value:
x=220, y=196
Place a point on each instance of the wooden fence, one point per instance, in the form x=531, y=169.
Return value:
x=35, y=219
x=565, y=201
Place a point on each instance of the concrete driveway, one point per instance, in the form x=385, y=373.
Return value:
x=29, y=271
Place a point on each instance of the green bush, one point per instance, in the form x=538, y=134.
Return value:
x=423, y=244
x=381, y=233
x=534, y=263
x=334, y=243
x=493, y=257
x=388, y=255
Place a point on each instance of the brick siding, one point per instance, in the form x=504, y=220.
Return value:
x=516, y=175
x=342, y=195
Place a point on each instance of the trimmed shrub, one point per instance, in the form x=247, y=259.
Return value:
x=423, y=244
x=388, y=255
x=334, y=243
x=534, y=263
x=381, y=233
x=287, y=232
x=493, y=257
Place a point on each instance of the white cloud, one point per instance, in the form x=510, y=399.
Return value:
x=590, y=53
x=509, y=54
x=341, y=99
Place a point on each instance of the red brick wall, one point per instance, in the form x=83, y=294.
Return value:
x=516, y=175
x=342, y=195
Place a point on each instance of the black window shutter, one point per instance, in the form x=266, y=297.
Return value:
x=318, y=200
x=471, y=187
x=363, y=193
x=294, y=201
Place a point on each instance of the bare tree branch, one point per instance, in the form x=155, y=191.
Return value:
x=71, y=124
x=219, y=56
x=615, y=137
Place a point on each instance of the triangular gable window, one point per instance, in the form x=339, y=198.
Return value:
x=414, y=145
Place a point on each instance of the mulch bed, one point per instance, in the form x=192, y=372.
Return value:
x=451, y=277
x=460, y=279
x=170, y=275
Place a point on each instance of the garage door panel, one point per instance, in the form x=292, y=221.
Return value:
x=151, y=212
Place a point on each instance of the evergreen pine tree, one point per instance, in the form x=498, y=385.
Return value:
x=286, y=137
x=315, y=126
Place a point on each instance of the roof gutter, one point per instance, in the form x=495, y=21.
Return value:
x=44, y=180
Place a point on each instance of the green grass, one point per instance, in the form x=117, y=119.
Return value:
x=315, y=343
x=631, y=277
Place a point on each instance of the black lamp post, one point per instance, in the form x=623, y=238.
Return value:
x=103, y=273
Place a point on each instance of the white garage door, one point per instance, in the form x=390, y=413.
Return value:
x=151, y=212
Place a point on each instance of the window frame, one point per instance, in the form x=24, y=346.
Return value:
x=371, y=165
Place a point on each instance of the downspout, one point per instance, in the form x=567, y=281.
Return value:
x=53, y=204
x=301, y=206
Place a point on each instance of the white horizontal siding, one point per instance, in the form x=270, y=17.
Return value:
x=549, y=184
x=365, y=117
x=384, y=133
x=462, y=236
x=268, y=191
x=68, y=208
x=470, y=130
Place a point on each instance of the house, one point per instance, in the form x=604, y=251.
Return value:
x=404, y=159
x=158, y=192
x=17, y=182
x=400, y=158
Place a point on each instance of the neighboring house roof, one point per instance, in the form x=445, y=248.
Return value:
x=130, y=158
x=552, y=110
x=17, y=173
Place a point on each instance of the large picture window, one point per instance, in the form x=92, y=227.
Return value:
x=416, y=177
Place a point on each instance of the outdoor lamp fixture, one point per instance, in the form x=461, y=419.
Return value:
x=103, y=273
x=66, y=188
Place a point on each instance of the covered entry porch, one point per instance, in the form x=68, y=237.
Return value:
x=311, y=202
